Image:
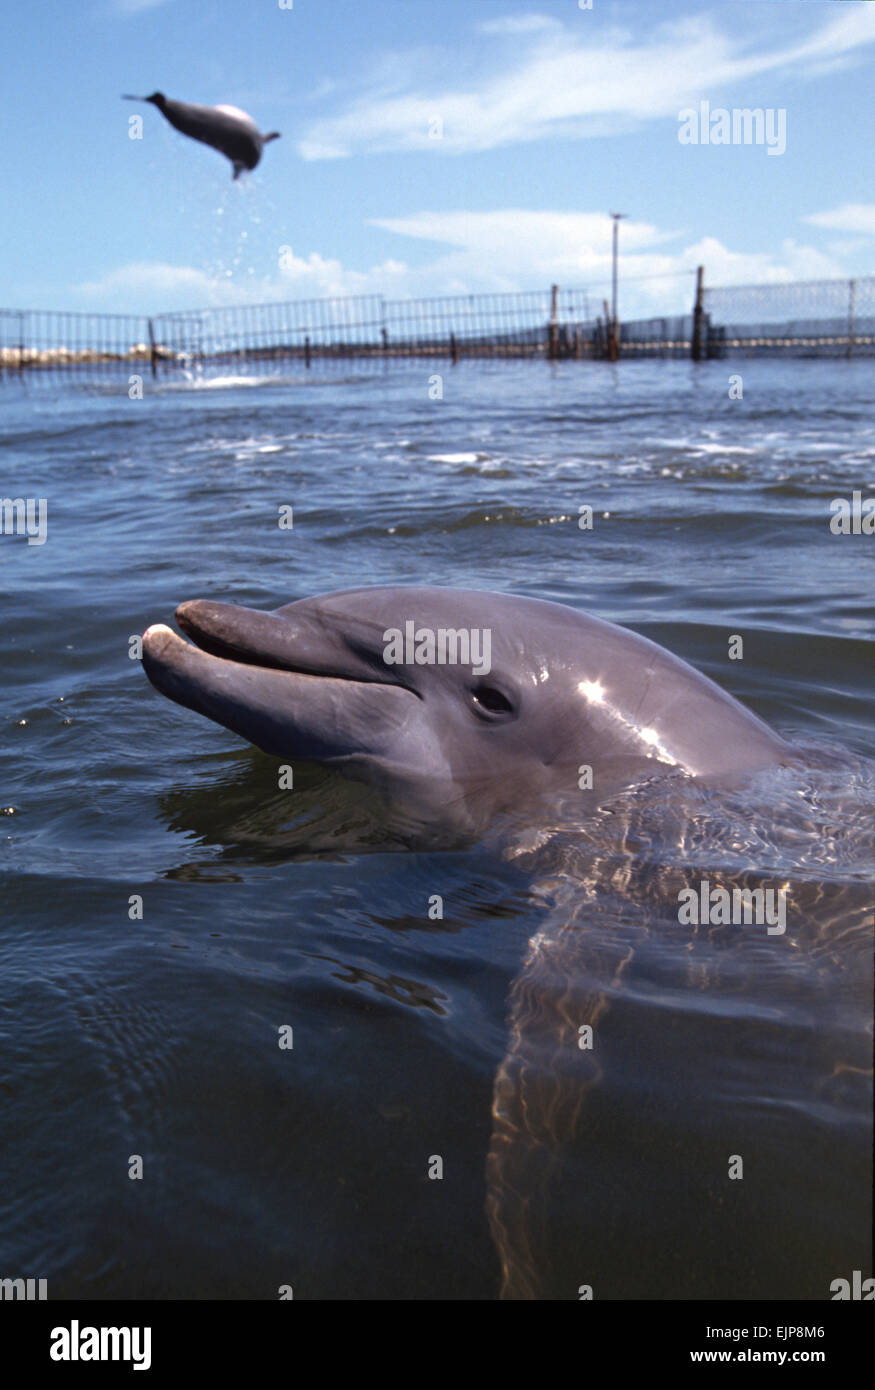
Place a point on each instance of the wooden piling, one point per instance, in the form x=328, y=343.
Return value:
x=610, y=334
x=153, y=350
x=696, y=345
x=553, y=336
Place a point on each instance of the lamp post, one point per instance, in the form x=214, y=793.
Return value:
x=614, y=338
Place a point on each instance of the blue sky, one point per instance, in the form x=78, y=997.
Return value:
x=551, y=116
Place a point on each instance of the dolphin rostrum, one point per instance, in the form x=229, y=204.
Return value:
x=226, y=128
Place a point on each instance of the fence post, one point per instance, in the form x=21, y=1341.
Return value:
x=610, y=333
x=698, y=316
x=852, y=297
x=553, y=342
x=307, y=350
x=21, y=336
x=454, y=349
x=154, y=350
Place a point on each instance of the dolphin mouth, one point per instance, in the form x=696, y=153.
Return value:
x=303, y=646
x=296, y=684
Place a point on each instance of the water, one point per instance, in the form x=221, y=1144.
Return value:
x=308, y=1167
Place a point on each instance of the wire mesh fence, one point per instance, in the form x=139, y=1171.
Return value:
x=267, y=332
x=44, y=339
x=810, y=318
x=657, y=337
x=368, y=326
x=813, y=318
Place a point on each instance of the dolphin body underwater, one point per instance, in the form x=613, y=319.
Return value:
x=226, y=128
x=591, y=747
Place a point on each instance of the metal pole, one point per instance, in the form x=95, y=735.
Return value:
x=851, y=316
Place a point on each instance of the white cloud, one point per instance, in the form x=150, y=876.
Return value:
x=504, y=250
x=151, y=283
x=155, y=287
x=850, y=217
x=795, y=262
x=572, y=84
x=838, y=38
x=307, y=277
x=512, y=245
x=511, y=249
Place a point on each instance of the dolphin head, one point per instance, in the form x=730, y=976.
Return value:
x=455, y=703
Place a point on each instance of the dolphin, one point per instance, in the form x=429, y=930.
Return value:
x=567, y=699
x=631, y=770
x=226, y=128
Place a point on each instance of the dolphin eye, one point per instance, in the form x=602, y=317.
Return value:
x=491, y=700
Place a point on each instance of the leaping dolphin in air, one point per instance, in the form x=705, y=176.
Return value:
x=226, y=128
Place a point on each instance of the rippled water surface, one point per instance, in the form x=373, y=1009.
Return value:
x=309, y=1167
